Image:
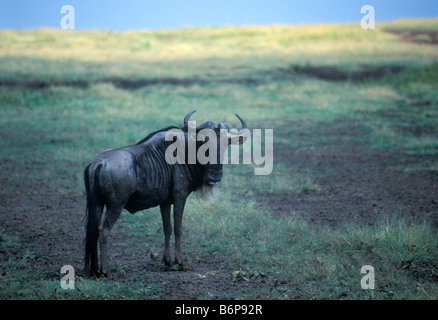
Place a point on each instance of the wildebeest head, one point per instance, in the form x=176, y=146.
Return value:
x=222, y=135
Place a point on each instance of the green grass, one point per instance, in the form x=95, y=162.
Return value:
x=317, y=261
x=48, y=136
x=323, y=260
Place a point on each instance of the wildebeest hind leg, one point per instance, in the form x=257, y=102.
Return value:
x=109, y=218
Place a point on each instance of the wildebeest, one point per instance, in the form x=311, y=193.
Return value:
x=138, y=177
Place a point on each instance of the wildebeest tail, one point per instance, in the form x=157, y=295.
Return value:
x=92, y=215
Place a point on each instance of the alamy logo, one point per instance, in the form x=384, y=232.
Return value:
x=368, y=19
x=68, y=281
x=367, y=281
x=68, y=20
x=214, y=147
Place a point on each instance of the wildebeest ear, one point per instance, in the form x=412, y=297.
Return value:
x=206, y=125
x=223, y=125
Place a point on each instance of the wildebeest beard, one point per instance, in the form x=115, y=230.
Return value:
x=207, y=192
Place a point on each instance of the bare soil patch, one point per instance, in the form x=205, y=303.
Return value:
x=364, y=73
x=421, y=36
x=50, y=229
x=35, y=84
x=126, y=84
x=357, y=183
x=327, y=73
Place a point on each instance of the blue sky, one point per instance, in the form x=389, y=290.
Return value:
x=166, y=14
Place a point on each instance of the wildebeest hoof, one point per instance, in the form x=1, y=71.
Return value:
x=167, y=263
x=183, y=266
x=94, y=274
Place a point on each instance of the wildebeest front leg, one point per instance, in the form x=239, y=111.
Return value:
x=167, y=228
x=178, y=210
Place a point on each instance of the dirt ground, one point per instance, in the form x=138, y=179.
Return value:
x=357, y=184
x=49, y=228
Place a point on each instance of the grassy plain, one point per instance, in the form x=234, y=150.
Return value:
x=62, y=102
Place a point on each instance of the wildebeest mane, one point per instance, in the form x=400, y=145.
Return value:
x=155, y=132
x=204, y=191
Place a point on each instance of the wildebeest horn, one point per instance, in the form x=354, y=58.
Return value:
x=241, y=133
x=205, y=125
x=243, y=123
x=223, y=125
x=187, y=117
